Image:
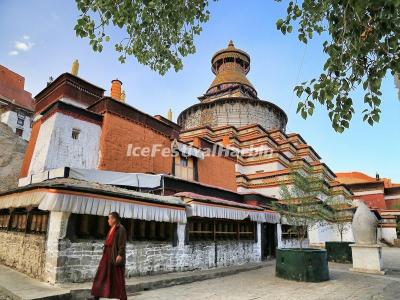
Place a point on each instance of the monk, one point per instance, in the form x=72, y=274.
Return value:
x=109, y=281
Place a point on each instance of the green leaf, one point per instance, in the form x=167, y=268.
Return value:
x=376, y=118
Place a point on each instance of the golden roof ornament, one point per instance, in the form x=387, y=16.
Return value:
x=75, y=67
x=169, y=114
x=230, y=65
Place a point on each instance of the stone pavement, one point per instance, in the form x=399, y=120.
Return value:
x=262, y=284
x=15, y=285
x=259, y=282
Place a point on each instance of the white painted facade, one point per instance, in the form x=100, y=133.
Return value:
x=11, y=119
x=252, y=169
x=329, y=233
x=388, y=234
x=55, y=147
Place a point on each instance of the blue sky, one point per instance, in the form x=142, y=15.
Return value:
x=45, y=28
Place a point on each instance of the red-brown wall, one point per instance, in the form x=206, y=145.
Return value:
x=12, y=79
x=118, y=133
x=373, y=201
x=217, y=171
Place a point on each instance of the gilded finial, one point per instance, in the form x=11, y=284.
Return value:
x=231, y=44
x=75, y=67
x=123, y=96
x=169, y=115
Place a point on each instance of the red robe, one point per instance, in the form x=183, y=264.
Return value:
x=109, y=281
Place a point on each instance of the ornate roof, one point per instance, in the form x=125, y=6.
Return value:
x=230, y=65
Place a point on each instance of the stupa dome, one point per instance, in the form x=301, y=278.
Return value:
x=231, y=98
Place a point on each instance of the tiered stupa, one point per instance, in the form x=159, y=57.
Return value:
x=231, y=99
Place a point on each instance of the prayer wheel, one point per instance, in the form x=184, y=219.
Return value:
x=20, y=224
x=200, y=228
x=131, y=229
x=152, y=230
x=168, y=230
x=161, y=230
x=142, y=229
x=45, y=219
x=101, y=227
x=33, y=223
x=84, y=225
x=14, y=221
x=39, y=221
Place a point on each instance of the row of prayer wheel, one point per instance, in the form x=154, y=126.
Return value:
x=220, y=227
x=4, y=219
x=39, y=223
x=19, y=222
x=96, y=226
x=224, y=230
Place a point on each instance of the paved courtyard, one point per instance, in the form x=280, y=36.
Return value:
x=247, y=285
x=262, y=284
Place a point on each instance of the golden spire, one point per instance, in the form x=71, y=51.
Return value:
x=75, y=67
x=169, y=115
x=230, y=66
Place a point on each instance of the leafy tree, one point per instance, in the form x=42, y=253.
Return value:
x=339, y=216
x=362, y=43
x=300, y=205
x=158, y=32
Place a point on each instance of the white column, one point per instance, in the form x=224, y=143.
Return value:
x=57, y=230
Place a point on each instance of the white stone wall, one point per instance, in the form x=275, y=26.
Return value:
x=10, y=118
x=78, y=261
x=56, y=148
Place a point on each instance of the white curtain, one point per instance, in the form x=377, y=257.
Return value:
x=84, y=204
x=210, y=211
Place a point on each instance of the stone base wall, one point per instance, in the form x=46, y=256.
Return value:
x=24, y=252
x=78, y=261
x=237, y=112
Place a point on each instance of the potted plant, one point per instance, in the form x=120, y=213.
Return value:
x=300, y=206
x=340, y=219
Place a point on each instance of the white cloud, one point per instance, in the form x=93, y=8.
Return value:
x=23, y=46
